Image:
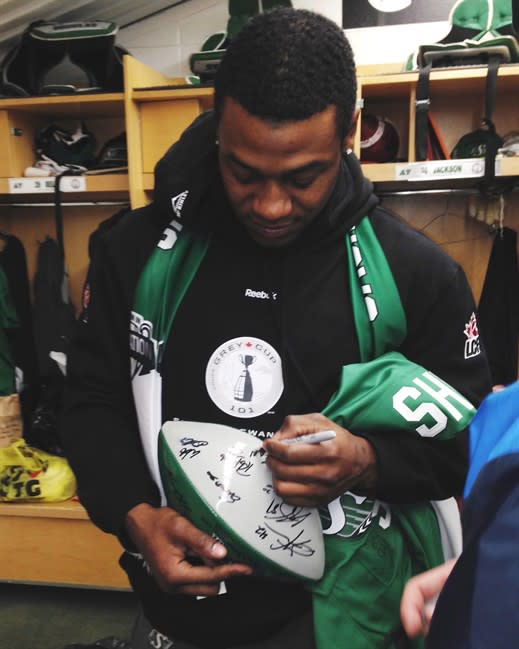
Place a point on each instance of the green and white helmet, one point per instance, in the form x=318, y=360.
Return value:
x=479, y=29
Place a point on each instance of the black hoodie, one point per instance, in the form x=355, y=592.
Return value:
x=296, y=298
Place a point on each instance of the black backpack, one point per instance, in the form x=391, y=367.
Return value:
x=53, y=315
x=53, y=311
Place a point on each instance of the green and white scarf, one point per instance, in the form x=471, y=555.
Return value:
x=372, y=548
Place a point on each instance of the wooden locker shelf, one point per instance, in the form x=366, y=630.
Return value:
x=457, y=97
x=56, y=543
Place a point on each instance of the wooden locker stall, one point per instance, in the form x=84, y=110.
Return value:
x=153, y=111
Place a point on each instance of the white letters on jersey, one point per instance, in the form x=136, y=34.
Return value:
x=441, y=393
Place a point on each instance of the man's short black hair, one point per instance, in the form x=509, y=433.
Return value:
x=287, y=65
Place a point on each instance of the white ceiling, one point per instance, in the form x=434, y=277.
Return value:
x=16, y=15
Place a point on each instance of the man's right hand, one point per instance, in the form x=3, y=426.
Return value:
x=167, y=541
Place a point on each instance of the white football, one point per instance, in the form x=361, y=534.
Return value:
x=217, y=477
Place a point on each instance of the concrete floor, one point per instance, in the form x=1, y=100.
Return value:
x=49, y=617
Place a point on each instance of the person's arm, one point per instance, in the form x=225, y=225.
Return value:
x=98, y=425
x=102, y=444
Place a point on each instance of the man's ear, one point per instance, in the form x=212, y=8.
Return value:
x=347, y=143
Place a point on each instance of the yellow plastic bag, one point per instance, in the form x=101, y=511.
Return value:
x=28, y=474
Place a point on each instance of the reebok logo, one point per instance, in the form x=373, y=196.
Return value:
x=261, y=295
x=177, y=202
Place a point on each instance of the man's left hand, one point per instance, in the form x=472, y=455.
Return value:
x=311, y=475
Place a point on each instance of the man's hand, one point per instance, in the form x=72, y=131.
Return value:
x=167, y=541
x=311, y=475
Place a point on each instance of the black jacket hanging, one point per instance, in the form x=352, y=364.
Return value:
x=499, y=308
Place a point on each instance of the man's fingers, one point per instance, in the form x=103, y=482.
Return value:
x=411, y=610
x=431, y=582
x=299, y=494
x=420, y=593
x=201, y=580
x=299, y=453
x=197, y=542
x=199, y=590
x=318, y=472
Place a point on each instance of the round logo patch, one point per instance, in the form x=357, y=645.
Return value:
x=244, y=377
